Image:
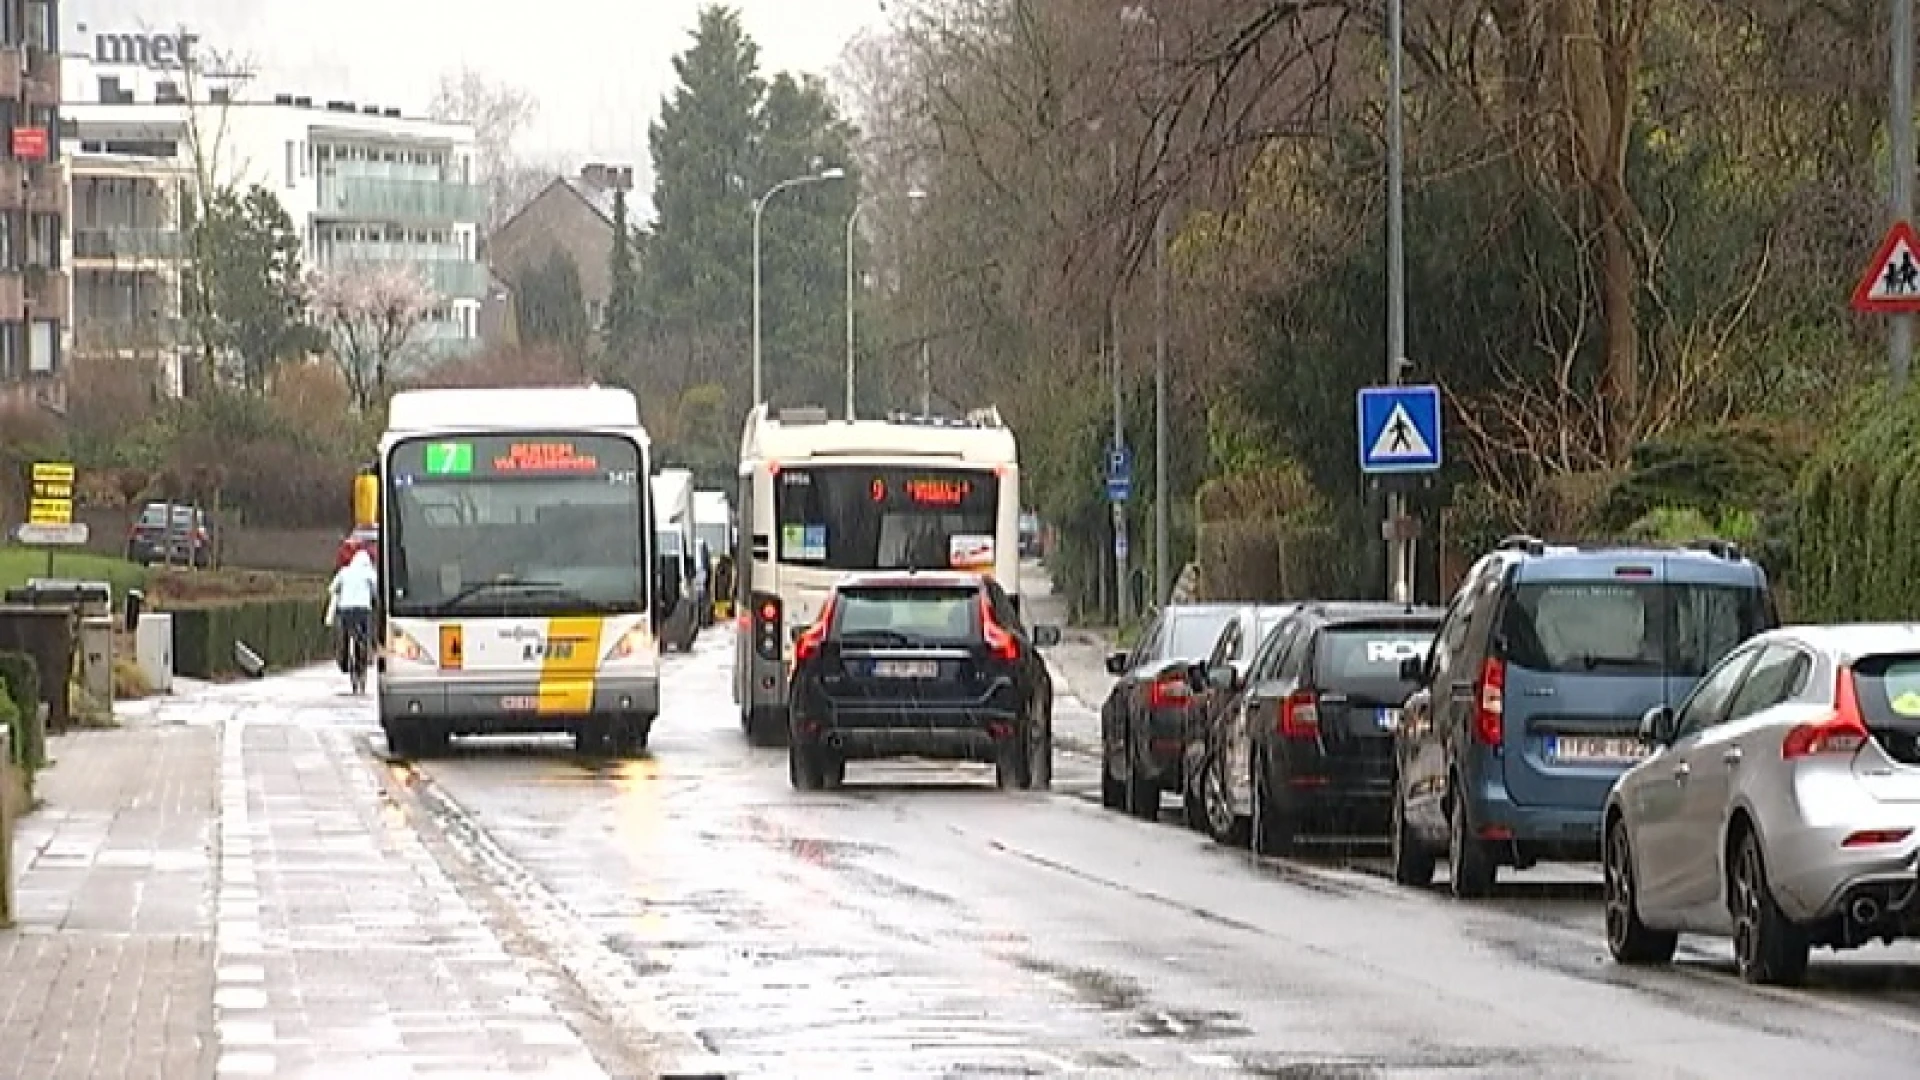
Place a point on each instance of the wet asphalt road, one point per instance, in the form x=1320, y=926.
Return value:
x=922, y=923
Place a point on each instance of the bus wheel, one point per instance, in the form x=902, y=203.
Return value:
x=767, y=726
x=630, y=739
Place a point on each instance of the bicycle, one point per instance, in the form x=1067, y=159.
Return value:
x=358, y=650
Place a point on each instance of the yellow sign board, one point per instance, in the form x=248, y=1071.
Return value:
x=52, y=502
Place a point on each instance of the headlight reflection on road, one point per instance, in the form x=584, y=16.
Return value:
x=641, y=829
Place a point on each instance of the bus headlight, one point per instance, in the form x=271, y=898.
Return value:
x=635, y=642
x=401, y=646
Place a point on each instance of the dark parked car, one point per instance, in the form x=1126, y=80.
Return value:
x=1143, y=724
x=931, y=665
x=1529, y=707
x=172, y=533
x=1308, y=744
x=1234, y=650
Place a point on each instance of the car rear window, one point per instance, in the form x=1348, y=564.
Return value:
x=1629, y=628
x=908, y=616
x=1192, y=635
x=1367, y=657
x=1889, y=691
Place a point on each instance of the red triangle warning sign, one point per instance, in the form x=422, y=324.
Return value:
x=1892, y=281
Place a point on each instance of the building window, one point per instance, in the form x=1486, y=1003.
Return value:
x=109, y=89
x=43, y=240
x=43, y=353
x=293, y=167
x=39, y=26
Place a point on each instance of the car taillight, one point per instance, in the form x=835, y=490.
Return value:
x=1490, y=708
x=1300, y=716
x=766, y=626
x=809, y=644
x=1001, y=643
x=1842, y=733
x=1170, y=691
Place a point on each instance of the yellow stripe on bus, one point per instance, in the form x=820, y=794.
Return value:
x=566, y=673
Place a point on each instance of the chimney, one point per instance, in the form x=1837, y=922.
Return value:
x=625, y=181
x=596, y=175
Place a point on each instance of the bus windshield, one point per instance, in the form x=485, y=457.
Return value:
x=521, y=524
x=867, y=517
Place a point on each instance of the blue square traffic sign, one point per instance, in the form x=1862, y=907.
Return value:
x=1119, y=474
x=1399, y=429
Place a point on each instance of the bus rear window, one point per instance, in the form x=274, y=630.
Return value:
x=852, y=517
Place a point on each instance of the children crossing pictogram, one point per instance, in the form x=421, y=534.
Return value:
x=1892, y=281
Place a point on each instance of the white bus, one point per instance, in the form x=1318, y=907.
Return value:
x=515, y=567
x=820, y=499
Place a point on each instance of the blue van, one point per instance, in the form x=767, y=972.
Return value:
x=1528, y=706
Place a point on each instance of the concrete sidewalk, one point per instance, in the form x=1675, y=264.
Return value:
x=225, y=886
x=111, y=970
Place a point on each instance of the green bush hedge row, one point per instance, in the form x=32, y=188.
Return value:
x=20, y=710
x=286, y=632
x=1856, y=516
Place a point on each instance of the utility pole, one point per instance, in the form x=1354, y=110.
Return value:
x=1900, y=141
x=926, y=376
x=1399, y=548
x=1123, y=605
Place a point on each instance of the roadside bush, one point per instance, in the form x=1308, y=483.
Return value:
x=286, y=632
x=20, y=686
x=1715, y=470
x=1856, y=512
x=129, y=682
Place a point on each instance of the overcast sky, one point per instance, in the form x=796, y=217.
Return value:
x=597, y=67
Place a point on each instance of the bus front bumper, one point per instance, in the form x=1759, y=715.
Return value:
x=482, y=706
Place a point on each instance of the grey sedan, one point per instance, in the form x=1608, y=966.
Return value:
x=1780, y=806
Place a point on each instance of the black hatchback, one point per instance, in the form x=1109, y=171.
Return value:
x=927, y=665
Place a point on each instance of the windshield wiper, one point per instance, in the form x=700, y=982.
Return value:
x=1593, y=662
x=886, y=637
x=513, y=584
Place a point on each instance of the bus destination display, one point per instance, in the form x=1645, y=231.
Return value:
x=517, y=456
x=952, y=491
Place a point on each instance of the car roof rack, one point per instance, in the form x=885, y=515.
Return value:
x=1532, y=545
x=1721, y=549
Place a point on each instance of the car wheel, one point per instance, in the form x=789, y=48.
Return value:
x=1041, y=766
x=1628, y=939
x=803, y=768
x=1193, y=803
x=1413, y=862
x=1143, y=792
x=1768, y=948
x=767, y=726
x=1013, y=765
x=1113, y=786
x=1470, y=867
x=1274, y=829
x=1222, y=823
x=833, y=769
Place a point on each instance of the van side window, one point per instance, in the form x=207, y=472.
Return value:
x=1267, y=665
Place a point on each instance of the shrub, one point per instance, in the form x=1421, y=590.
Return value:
x=129, y=682
x=1856, y=505
x=286, y=632
x=20, y=681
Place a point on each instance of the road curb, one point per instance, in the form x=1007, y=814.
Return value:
x=610, y=981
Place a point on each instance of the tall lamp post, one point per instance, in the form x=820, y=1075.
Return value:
x=759, y=208
x=853, y=220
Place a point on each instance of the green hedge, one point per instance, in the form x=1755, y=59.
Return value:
x=20, y=692
x=1856, y=513
x=286, y=632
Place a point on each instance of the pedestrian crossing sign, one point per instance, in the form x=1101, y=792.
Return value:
x=1892, y=282
x=1399, y=429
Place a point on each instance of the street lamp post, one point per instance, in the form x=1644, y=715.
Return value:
x=852, y=220
x=759, y=207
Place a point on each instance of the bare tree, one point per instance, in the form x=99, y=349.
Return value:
x=499, y=113
x=371, y=312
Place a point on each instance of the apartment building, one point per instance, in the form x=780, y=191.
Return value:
x=34, y=291
x=364, y=185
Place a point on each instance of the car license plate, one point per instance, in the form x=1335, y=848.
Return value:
x=1597, y=750
x=905, y=669
x=520, y=704
x=1388, y=718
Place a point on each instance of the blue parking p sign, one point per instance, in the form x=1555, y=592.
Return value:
x=1399, y=429
x=1119, y=474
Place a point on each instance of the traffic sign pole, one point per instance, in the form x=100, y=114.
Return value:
x=1900, y=132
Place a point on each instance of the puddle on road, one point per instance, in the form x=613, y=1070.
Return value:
x=1468, y=1061
x=1110, y=992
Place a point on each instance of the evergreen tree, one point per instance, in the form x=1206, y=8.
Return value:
x=551, y=308
x=623, y=289
x=724, y=137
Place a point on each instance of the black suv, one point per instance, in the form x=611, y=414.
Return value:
x=933, y=665
x=1529, y=707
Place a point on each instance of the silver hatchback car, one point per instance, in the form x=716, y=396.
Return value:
x=1780, y=807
